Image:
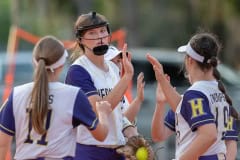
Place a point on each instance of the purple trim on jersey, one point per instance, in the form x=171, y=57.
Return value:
x=186, y=110
x=65, y=158
x=7, y=121
x=90, y=152
x=232, y=134
x=83, y=113
x=169, y=120
x=210, y=157
x=79, y=76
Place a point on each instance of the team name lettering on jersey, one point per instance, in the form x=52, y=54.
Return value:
x=104, y=91
x=217, y=97
x=50, y=99
x=197, y=107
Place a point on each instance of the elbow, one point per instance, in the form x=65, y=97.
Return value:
x=101, y=137
x=100, y=133
x=213, y=138
x=212, y=135
x=157, y=137
x=160, y=133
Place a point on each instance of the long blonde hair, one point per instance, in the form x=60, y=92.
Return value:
x=46, y=52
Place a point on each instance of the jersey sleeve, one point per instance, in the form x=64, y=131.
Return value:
x=78, y=76
x=195, y=109
x=83, y=112
x=7, y=121
x=232, y=129
x=169, y=120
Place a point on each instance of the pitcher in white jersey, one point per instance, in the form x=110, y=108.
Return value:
x=202, y=114
x=99, y=79
x=43, y=114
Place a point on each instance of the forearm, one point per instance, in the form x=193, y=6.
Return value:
x=128, y=129
x=172, y=96
x=117, y=93
x=133, y=109
x=197, y=148
x=5, y=144
x=101, y=132
x=206, y=136
x=3, y=152
x=231, y=149
x=158, y=130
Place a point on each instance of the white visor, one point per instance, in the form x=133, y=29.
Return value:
x=111, y=53
x=190, y=51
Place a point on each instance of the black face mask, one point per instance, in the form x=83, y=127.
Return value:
x=100, y=50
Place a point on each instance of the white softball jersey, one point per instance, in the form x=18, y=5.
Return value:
x=69, y=107
x=202, y=103
x=94, y=81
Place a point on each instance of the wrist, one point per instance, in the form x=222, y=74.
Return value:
x=127, y=77
x=139, y=100
x=102, y=116
x=160, y=103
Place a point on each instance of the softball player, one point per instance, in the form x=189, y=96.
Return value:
x=162, y=128
x=42, y=114
x=202, y=113
x=99, y=79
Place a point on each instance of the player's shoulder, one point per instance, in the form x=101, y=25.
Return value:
x=23, y=88
x=65, y=86
x=76, y=69
x=204, y=86
x=81, y=60
x=194, y=94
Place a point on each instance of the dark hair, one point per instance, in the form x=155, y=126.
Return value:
x=233, y=111
x=46, y=52
x=208, y=46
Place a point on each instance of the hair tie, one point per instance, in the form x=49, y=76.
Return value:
x=42, y=58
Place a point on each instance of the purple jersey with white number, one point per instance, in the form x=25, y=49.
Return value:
x=69, y=107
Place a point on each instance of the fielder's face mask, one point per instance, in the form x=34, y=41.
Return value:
x=90, y=21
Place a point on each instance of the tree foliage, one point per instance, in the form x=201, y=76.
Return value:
x=152, y=23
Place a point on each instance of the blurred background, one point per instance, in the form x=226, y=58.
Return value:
x=152, y=23
x=154, y=26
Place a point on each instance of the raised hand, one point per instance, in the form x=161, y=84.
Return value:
x=157, y=67
x=140, y=87
x=160, y=96
x=172, y=96
x=127, y=64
